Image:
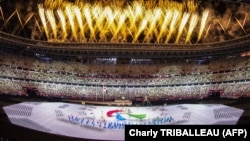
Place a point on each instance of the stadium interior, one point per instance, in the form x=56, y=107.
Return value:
x=94, y=52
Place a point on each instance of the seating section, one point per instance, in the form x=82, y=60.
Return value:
x=103, y=80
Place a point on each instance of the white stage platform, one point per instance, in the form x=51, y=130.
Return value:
x=86, y=121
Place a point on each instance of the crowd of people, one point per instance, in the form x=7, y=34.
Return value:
x=158, y=81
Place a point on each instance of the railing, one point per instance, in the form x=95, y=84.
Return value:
x=13, y=39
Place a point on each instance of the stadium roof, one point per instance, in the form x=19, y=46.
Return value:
x=126, y=28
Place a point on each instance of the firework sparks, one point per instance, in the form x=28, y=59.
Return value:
x=193, y=23
x=203, y=23
x=63, y=23
x=51, y=19
x=41, y=13
x=243, y=23
x=101, y=22
x=182, y=25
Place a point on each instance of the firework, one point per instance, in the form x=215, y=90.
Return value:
x=162, y=22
